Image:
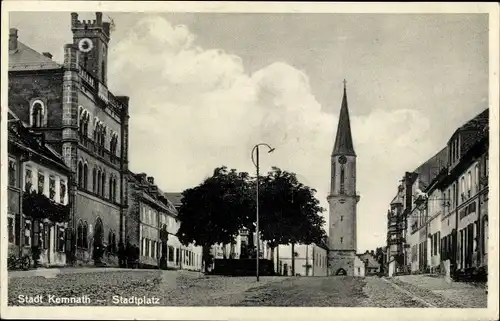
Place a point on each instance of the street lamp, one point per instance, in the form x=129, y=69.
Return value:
x=256, y=163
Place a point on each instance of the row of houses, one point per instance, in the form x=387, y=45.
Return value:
x=438, y=220
x=71, y=193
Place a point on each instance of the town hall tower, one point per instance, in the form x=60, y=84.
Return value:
x=343, y=199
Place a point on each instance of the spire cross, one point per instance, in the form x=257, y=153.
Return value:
x=345, y=83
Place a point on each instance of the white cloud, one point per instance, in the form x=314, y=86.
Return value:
x=194, y=109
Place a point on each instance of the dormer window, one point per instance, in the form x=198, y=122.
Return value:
x=37, y=114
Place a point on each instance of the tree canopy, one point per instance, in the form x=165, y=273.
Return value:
x=290, y=211
x=216, y=210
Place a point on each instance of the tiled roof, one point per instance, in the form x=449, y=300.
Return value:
x=175, y=198
x=147, y=197
x=343, y=140
x=22, y=137
x=431, y=168
x=478, y=122
x=398, y=199
x=26, y=58
x=372, y=261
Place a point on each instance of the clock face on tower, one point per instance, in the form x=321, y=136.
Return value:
x=85, y=45
x=342, y=159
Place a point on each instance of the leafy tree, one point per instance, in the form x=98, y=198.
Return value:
x=290, y=212
x=214, y=211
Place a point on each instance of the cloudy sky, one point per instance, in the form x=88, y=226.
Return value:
x=205, y=87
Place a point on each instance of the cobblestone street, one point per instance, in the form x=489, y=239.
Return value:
x=181, y=288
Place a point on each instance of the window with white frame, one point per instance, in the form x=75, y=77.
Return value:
x=41, y=182
x=60, y=239
x=469, y=183
x=12, y=172
x=52, y=188
x=476, y=178
x=62, y=191
x=27, y=233
x=462, y=187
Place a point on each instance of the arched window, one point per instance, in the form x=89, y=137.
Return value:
x=342, y=179
x=86, y=126
x=99, y=182
x=79, y=238
x=37, y=114
x=96, y=130
x=110, y=187
x=94, y=180
x=334, y=170
x=103, y=184
x=85, y=176
x=98, y=232
x=80, y=174
x=110, y=238
x=85, y=235
x=103, y=138
x=114, y=189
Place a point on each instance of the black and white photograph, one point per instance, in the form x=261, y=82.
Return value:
x=244, y=155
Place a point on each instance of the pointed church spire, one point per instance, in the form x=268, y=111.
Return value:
x=343, y=141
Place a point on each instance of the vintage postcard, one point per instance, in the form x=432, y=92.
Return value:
x=249, y=160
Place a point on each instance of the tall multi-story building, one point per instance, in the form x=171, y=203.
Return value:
x=417, y=183
x=465, y=224
x=445, y=204
x=396, y=227
x=83, y=121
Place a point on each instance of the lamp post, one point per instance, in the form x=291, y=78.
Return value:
x=256, y=163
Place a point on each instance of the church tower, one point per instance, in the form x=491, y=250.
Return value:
x=343, y=198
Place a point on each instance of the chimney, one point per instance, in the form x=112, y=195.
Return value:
x=142, y=177
x=13, y=39
x=47, y=54
x=151, y=180
x=98, y=16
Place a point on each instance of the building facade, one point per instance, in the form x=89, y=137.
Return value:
x=84, y=122
x=310, y=260
x=396, y=228
x=188, y=257
x=343, y=199
x=151, y=226
x=447, y=207
x=372, y=266
x=37, y=189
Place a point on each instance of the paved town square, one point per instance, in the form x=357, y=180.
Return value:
x=121, y=287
